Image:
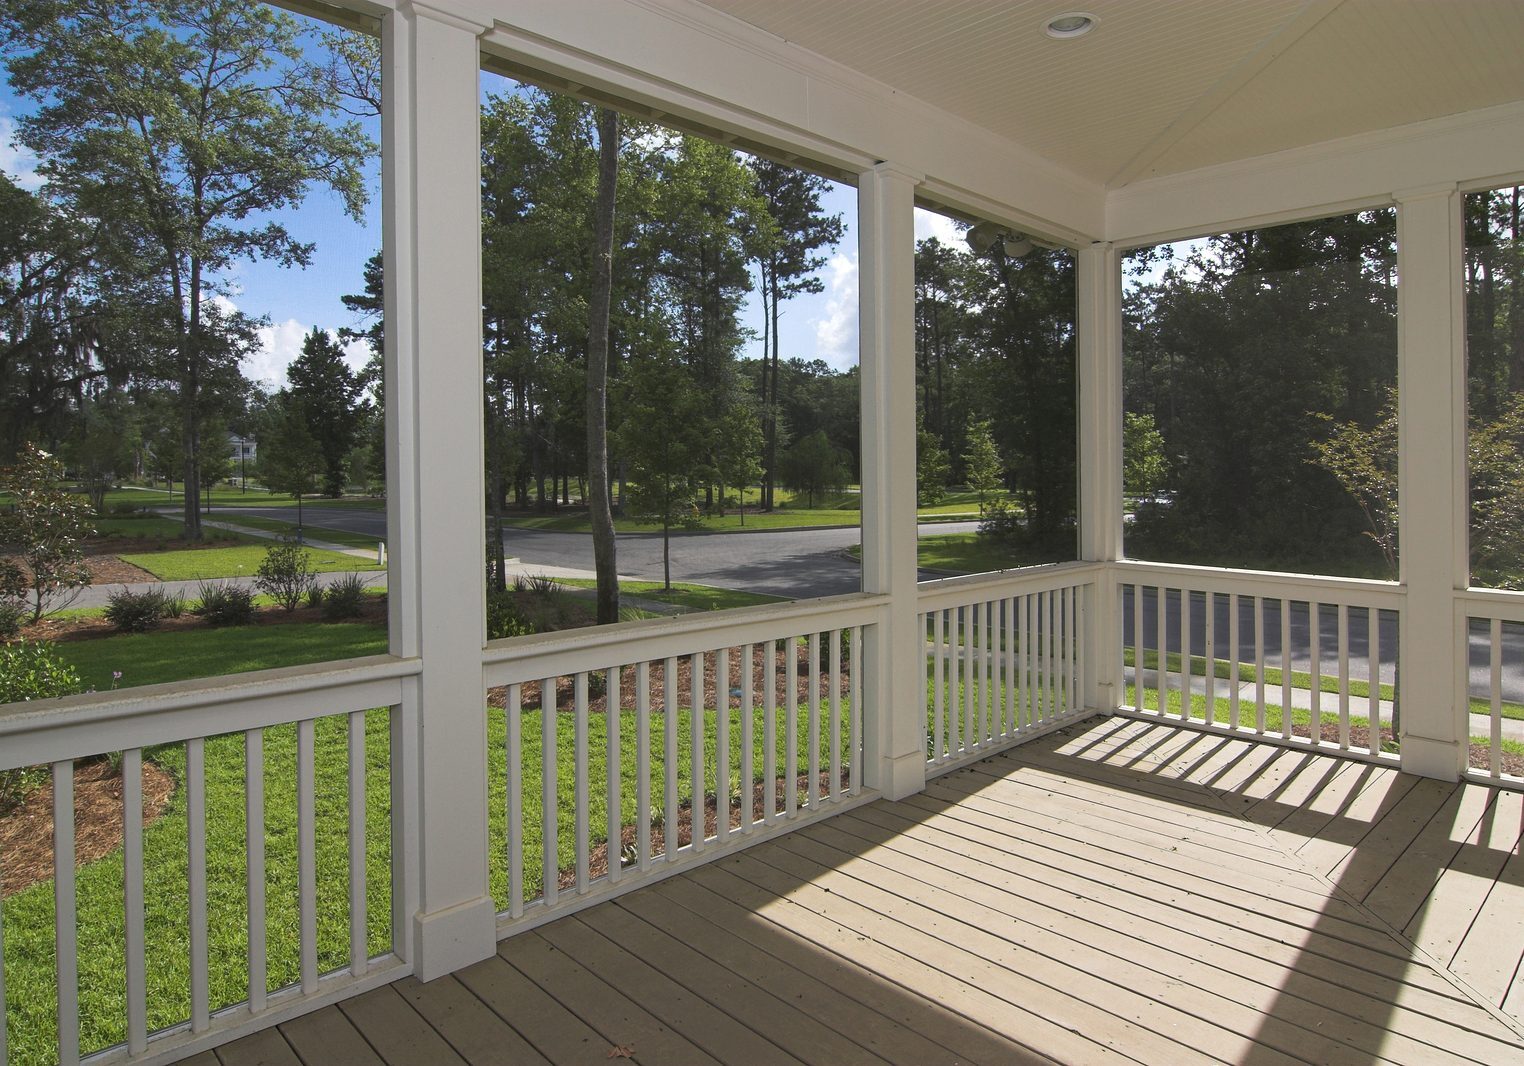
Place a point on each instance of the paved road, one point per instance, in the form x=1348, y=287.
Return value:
x=790, y=563
x=813, y=562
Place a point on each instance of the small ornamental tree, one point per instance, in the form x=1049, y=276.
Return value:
x=931, y=466
x=981, y=461
x=1144, y=462
x=44, y=530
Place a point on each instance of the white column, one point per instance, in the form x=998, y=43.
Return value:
x=895, y=668
x=1098, y=325
x=1432, y=504
x=435, y=513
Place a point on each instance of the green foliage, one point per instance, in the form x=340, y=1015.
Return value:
x=44, y=528
x=932, y=468
x=289, y=458
x=982, y=465
x=286, y=574
x=1363, y=460
x=327, y=393
x=1145, y=466
x=345, y=598
x=815, y=467
x=1000, y=522
x=222, y=603
x=13, y=596
x=136, y=612
x=504, y=619
x=34, y=670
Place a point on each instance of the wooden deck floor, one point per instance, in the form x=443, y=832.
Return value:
x=1121, y=892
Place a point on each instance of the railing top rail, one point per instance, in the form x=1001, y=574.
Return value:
x=1361, y=592
x=569, y=651
x=1504, y=604
x=45, y=731
x=976, y=588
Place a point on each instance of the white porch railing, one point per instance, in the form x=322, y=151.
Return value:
x=1491, y=626
x=300, y=734
x=1005, y=658
x=1283, y=658
x=686, y=738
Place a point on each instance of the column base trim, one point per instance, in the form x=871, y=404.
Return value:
x=447, y=940
x=1428, y=757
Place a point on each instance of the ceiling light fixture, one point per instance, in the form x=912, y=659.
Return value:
x=1070, y=24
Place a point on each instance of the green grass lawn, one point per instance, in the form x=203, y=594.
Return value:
x=969, y=553
x=310, y=531
x=240, y=561
x=226, y=496
x=28, y=916
x=698, y=597
x=152, y=527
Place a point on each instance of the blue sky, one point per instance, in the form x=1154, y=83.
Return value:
x=811, y=326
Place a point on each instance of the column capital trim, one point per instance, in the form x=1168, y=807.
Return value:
x=462, y=14
x=885, y=168
x=1425, y=192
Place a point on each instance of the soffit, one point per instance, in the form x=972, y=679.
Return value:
x=1163, y=86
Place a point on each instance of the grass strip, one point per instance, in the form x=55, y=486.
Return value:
x=242, y=561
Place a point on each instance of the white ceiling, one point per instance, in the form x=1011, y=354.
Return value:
x=1163, y=86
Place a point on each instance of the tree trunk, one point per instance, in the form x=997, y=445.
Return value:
x=600, y=507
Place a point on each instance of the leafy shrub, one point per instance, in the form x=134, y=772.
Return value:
x=135, y=612
x=223, y=604
x=344, y=598
x=315, y=595
x=1000, y=522
x=34, y=671
x=174, y=606
x=124, y=509
x=11, y=616
x=504, y=618
x=825, y=649
x=286, y=574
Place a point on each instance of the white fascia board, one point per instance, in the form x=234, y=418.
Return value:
x=1474, y=149
x=687, y=60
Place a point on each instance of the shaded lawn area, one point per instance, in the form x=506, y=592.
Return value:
x=241, y=561
x=155, y=528
x=316, y=532
x=682, y=594
x=731, y=522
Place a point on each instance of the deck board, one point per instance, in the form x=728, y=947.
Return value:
x=1118, y=891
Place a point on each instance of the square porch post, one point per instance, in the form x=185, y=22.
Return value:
x=1432, y=500
x=443, y=915
x=1098, y=324
x=894, y=689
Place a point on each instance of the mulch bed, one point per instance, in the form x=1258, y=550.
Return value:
x=26, y=833
x=1360, y=737
x=372, y=610
x=598, y=855
x=529, y=691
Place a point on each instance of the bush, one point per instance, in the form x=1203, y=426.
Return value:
x=286, y=574
x=174, y=606
x=13, y=595
x=504, y=618
x=223, y=604
x=11, y=616
x=34, y=671
x=135, y=612
x=999, y=521
x=345, y=598
x=315, y=595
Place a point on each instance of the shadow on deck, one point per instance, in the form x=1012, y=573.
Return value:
x=1119, y=891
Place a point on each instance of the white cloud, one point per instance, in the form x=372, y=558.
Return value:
x=931, y=224
x=836, y=329
x=17, y=162
x=279, y=344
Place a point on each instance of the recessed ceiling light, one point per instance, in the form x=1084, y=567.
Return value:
x=1070, y=24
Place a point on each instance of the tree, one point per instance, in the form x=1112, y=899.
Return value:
x=739, y=453
x=599, y=504
x=288, y=455
x=660, y=439
x=100, y=445
x=328, y=394
x=1144, y=463
x=787, y=251
x=45, y=529
x=931, y=466
x=813, y=466
x=184, y=125
x=981, y=462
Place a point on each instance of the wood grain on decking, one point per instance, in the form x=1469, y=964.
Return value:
x=1119, y=892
